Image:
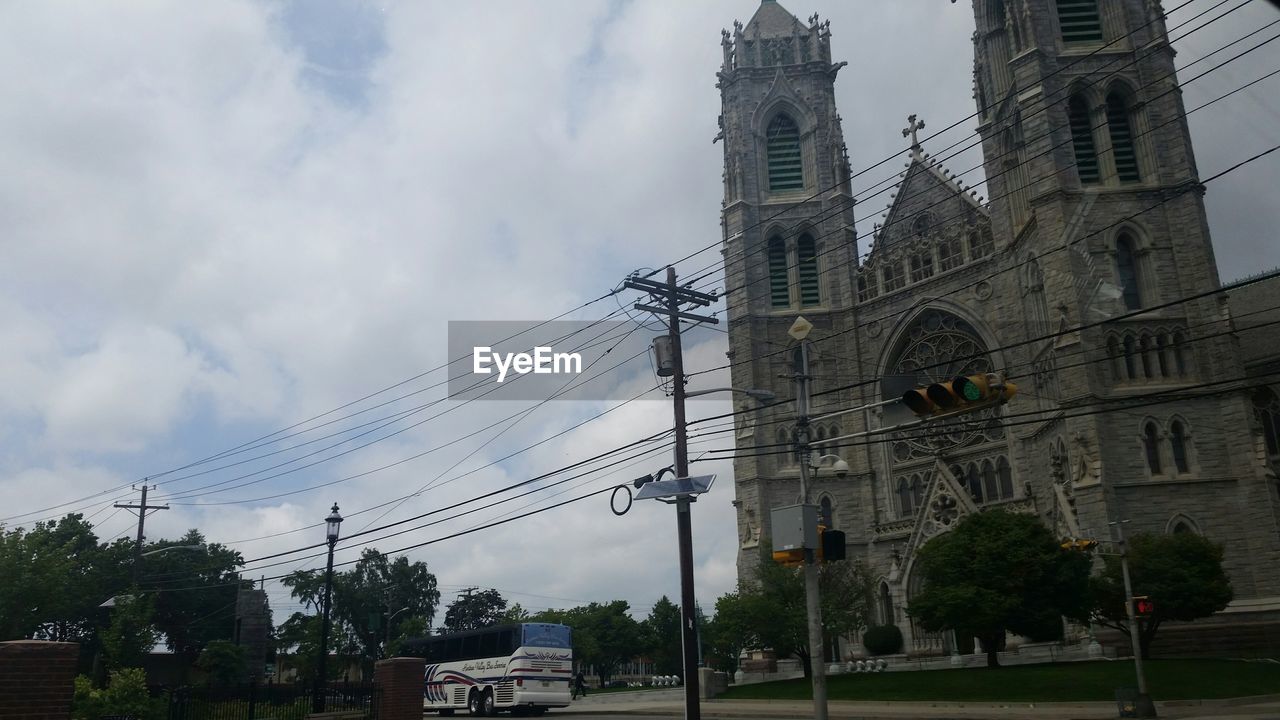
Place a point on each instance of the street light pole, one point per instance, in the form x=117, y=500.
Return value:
x=812, y=597
x=1145, y=707
x=672, y=296
x=331, y=534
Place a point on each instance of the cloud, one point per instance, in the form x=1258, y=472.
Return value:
x=222, y=219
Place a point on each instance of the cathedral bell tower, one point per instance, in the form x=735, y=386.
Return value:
x=789, y=241
x=1096, y=199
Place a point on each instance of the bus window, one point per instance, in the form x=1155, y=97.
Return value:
x=489, y=645
x=470, y=647
x=453, y=650
x=506, y=642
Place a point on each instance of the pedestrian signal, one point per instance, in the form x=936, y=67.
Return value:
x=1143, y=606
x=961, y=394
x=831, y=546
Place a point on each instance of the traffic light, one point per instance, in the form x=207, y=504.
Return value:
x=1082, y=544
x=789, y=558
x=1143, y=606
x=961, y=394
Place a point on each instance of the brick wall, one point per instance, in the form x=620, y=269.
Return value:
x=400, y=680
x=37, y=679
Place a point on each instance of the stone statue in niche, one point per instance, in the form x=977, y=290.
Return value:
x=1084, y=468
x=750, y=530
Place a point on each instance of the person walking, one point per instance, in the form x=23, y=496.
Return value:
x=579, y=686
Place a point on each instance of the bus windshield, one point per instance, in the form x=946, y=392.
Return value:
x=547, y=636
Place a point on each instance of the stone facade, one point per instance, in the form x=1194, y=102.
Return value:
x=1088, y=279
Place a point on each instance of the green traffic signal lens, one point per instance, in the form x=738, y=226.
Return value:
x=967, y=389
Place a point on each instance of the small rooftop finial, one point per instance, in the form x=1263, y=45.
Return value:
x=913, y=124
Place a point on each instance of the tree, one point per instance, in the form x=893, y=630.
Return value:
x=1182, y=574
x=197, y=587
x=604, y=635
x=475, y=610
x=995, y=572
x=363, y=597
x=770, y=612
x=662, y=638
x=729, y=633
x=223, y=662
x=516, y=614
x=131, y=635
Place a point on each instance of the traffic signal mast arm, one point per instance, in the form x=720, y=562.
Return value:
x=939, y=401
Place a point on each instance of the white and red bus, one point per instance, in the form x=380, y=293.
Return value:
x=523, y=667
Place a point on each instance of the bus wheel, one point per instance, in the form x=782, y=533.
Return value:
x=486, y=703
x=474, y=706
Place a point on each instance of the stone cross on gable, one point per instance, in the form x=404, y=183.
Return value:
x=913, y=124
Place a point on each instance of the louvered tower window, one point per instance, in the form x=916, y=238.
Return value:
x=783, y=150
x=1082, y=140
x=1122, y=138
x=779, y=288
x=1079, y=20
x=807, y=265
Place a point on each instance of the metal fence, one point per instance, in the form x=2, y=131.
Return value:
x=274, y=701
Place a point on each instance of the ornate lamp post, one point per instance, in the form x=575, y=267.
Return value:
x=331, y=524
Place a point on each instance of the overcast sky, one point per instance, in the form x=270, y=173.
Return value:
x=221, y=219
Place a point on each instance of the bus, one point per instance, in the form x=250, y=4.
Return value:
x=522, y=667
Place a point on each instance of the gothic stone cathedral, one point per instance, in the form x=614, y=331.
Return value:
x=1095, y=213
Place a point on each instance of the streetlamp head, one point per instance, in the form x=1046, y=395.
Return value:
x=838, y=464
x=764, y=397
x=331, y=524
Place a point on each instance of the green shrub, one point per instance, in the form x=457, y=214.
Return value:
x=126, y=694
x=882, y=639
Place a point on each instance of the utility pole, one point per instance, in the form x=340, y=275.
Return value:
x=1145, y=707
x=142, y=508
x=672, y=297
x=812, y=598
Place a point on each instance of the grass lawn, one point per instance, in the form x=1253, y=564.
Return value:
x=1053, y=682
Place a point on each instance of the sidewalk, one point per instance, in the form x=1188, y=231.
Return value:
x=671, y=703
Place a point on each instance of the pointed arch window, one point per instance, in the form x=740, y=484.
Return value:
x=807, y=267
x=974, y=483
x=910, y=494
x=1127, y=270
x=1178, y=442
x=1005, y=475
x=1113, y=352
x=1122, y=147
x=921, y=265
x=894, y=277
x=886, y=605
x=1266, y=408
x=1179, y=356
x=779, y=286
x=786, y=172
x=826, y=514
x=949, y=254
x=1086, y=154
x=980, y=244
x=866, y=285
x=1145, y=346
x=1130, y=368
x=1151, y=446
x=1079, y=21
x=989, y=481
